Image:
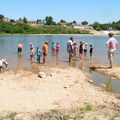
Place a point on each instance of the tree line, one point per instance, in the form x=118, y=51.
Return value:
x=50, y=27
x=107, y=26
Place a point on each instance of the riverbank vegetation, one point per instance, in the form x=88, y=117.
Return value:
x=14, y=28
x=49, y=26
x=107, y=26
x=46, y=26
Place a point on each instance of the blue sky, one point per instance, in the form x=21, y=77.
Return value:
x=69, y=10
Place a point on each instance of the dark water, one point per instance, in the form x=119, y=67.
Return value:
x=8, y=49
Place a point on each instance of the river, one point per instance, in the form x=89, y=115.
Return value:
x=8, y=50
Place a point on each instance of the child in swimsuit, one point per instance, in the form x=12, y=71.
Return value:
x=57, y=48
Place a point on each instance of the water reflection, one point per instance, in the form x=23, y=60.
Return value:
x=57, y=59
x=20, y=61
x=109, y=85
x=73, y=62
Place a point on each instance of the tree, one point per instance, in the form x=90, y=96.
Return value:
x=96, y=25
x=84, y=23
x=49, y=20
x=1, y=16
x=12, y=20
x=74, y=22
x=62, y=21
x=39, y=21
x=25, y=20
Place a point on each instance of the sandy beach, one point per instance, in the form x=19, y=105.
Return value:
x=24, y=94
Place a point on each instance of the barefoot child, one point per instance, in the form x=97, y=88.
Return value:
x=3, y=61
x=91, y=51
x=57, y=48
x=38, y=54
x=32, y=55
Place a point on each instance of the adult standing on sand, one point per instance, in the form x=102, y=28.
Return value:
x=112, y=44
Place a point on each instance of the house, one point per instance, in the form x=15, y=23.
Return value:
x=36, y=23
x=32, y=23
x=5, y=19
x=83, y=27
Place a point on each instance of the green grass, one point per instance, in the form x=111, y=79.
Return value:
x=113, y=118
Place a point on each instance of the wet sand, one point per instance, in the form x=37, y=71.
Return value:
x=113, y=73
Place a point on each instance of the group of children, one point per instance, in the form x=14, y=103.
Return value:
x=38, y=53
x=73, y=48
x=55, y=48
x=83, y=49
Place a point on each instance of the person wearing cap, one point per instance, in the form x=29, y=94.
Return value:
x=31, y=46
x=112, y=45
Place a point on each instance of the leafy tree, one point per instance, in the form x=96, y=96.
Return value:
x=62, y=21
x=12, y=20
x=49, y=20
x=74, y=22
x=96, y=25
x=84, y=23
x=53, y=23
x=113, y=22
x=25, y=20
x=1, y=16
x=38, y=21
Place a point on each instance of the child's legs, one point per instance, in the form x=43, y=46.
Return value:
x=31, y=57
x=0, y=68
x=38, y=58
x=44, y=58
x=57, y=51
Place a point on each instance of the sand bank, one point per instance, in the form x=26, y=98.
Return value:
x=23, y=92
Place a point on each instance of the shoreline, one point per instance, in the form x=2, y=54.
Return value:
x=92, y=33
x=113, y=73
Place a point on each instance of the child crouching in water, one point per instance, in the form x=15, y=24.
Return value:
x=3, y=61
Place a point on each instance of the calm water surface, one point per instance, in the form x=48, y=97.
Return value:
x=8, y=49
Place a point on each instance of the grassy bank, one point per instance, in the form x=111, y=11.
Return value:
x=22, y=28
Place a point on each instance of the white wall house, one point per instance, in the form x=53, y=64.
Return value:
x=83, y=27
